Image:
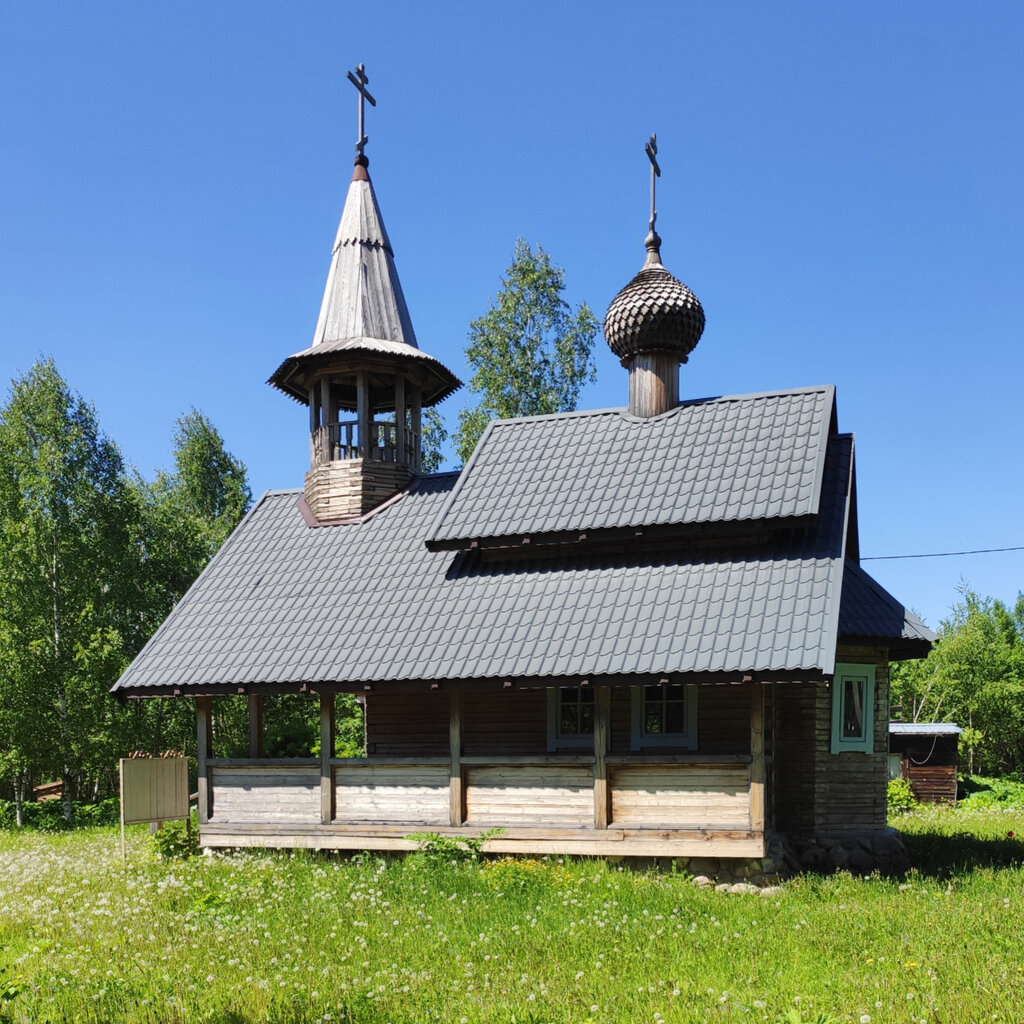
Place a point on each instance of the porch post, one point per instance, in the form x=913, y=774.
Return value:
x=255, y=725
x=757, y=758
x=456, y=797
x=326, y=753
x=602, y=713
x=204, y=736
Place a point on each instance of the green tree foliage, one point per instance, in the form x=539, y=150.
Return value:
x=181, y=520
x=64, y=531
x=975, y=677
x=530, y=352
x=433, y=440
x=91, y=561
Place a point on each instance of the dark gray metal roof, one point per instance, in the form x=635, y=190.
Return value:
x=924, y=729
x=739, y=457
x=285, y=604
x=869, y=611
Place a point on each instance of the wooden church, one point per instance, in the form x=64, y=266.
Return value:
x=638, y=631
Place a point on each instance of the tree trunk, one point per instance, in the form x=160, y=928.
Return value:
x=19, y=799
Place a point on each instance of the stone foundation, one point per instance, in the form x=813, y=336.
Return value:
x=860, y=853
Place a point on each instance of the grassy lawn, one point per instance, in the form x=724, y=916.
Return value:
x=278, y=938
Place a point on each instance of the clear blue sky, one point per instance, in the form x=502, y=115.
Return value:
x=842, y=189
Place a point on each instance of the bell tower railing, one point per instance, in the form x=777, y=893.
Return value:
x=335, y=442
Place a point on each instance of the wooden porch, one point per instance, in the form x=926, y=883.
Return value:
x=590, y=803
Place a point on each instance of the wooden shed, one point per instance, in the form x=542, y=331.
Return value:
x=632, y=631
x=925, y=754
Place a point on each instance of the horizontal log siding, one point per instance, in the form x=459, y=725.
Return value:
x=529, y=795
x=850, y=788
x=791, y=785
x=416, y=794
x=723, y=720
x=407, y=725
x=933, y=783
x=929, y=768
x=505, y=722
x=352, y=487
x=274, y=793
x=681, y=796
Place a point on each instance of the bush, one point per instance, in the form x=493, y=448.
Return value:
x=900, y=797
x=177, y=840
x=48, y=815
x=451, y=849
x=982, y=792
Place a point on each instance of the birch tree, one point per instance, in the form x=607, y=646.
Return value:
x=531, y=353
x=64, y=534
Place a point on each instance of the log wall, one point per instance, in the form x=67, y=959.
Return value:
x=850, y=794
x=407, y=725
x=349, y=488
x=514, y=721
x=815, y=790
x=505, y=722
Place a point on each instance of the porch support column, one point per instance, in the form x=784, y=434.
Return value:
x=456, y=796
x=326, y=753
x=602, y=714
x=757, y=773
x=255, y=725
x=204, y=737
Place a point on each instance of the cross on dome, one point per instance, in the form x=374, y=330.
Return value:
x=652, y=154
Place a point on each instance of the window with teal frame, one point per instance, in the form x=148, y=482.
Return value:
x=853, y=709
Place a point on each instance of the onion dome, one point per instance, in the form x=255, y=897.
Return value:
x=655, y=312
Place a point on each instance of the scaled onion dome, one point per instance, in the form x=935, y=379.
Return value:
x=655, y=312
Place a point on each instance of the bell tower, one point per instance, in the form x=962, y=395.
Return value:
x=364, y=378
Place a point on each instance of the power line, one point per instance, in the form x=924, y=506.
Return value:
x=941, y=554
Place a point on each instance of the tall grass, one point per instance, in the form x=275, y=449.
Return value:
x=303, y=938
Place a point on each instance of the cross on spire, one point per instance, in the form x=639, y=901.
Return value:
x=652, y=154
x=359, y=80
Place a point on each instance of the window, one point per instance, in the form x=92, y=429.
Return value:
x=664, y=716
x=853, y=706
x=570, y=717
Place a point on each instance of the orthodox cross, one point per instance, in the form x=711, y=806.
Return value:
x=652, y=154
x=359, y=80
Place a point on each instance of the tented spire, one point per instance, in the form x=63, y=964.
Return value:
x=363, y=296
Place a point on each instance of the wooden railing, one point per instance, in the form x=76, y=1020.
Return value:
x=333, y=442
x=508, y=791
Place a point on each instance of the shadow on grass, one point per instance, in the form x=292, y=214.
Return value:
x=945, y=855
